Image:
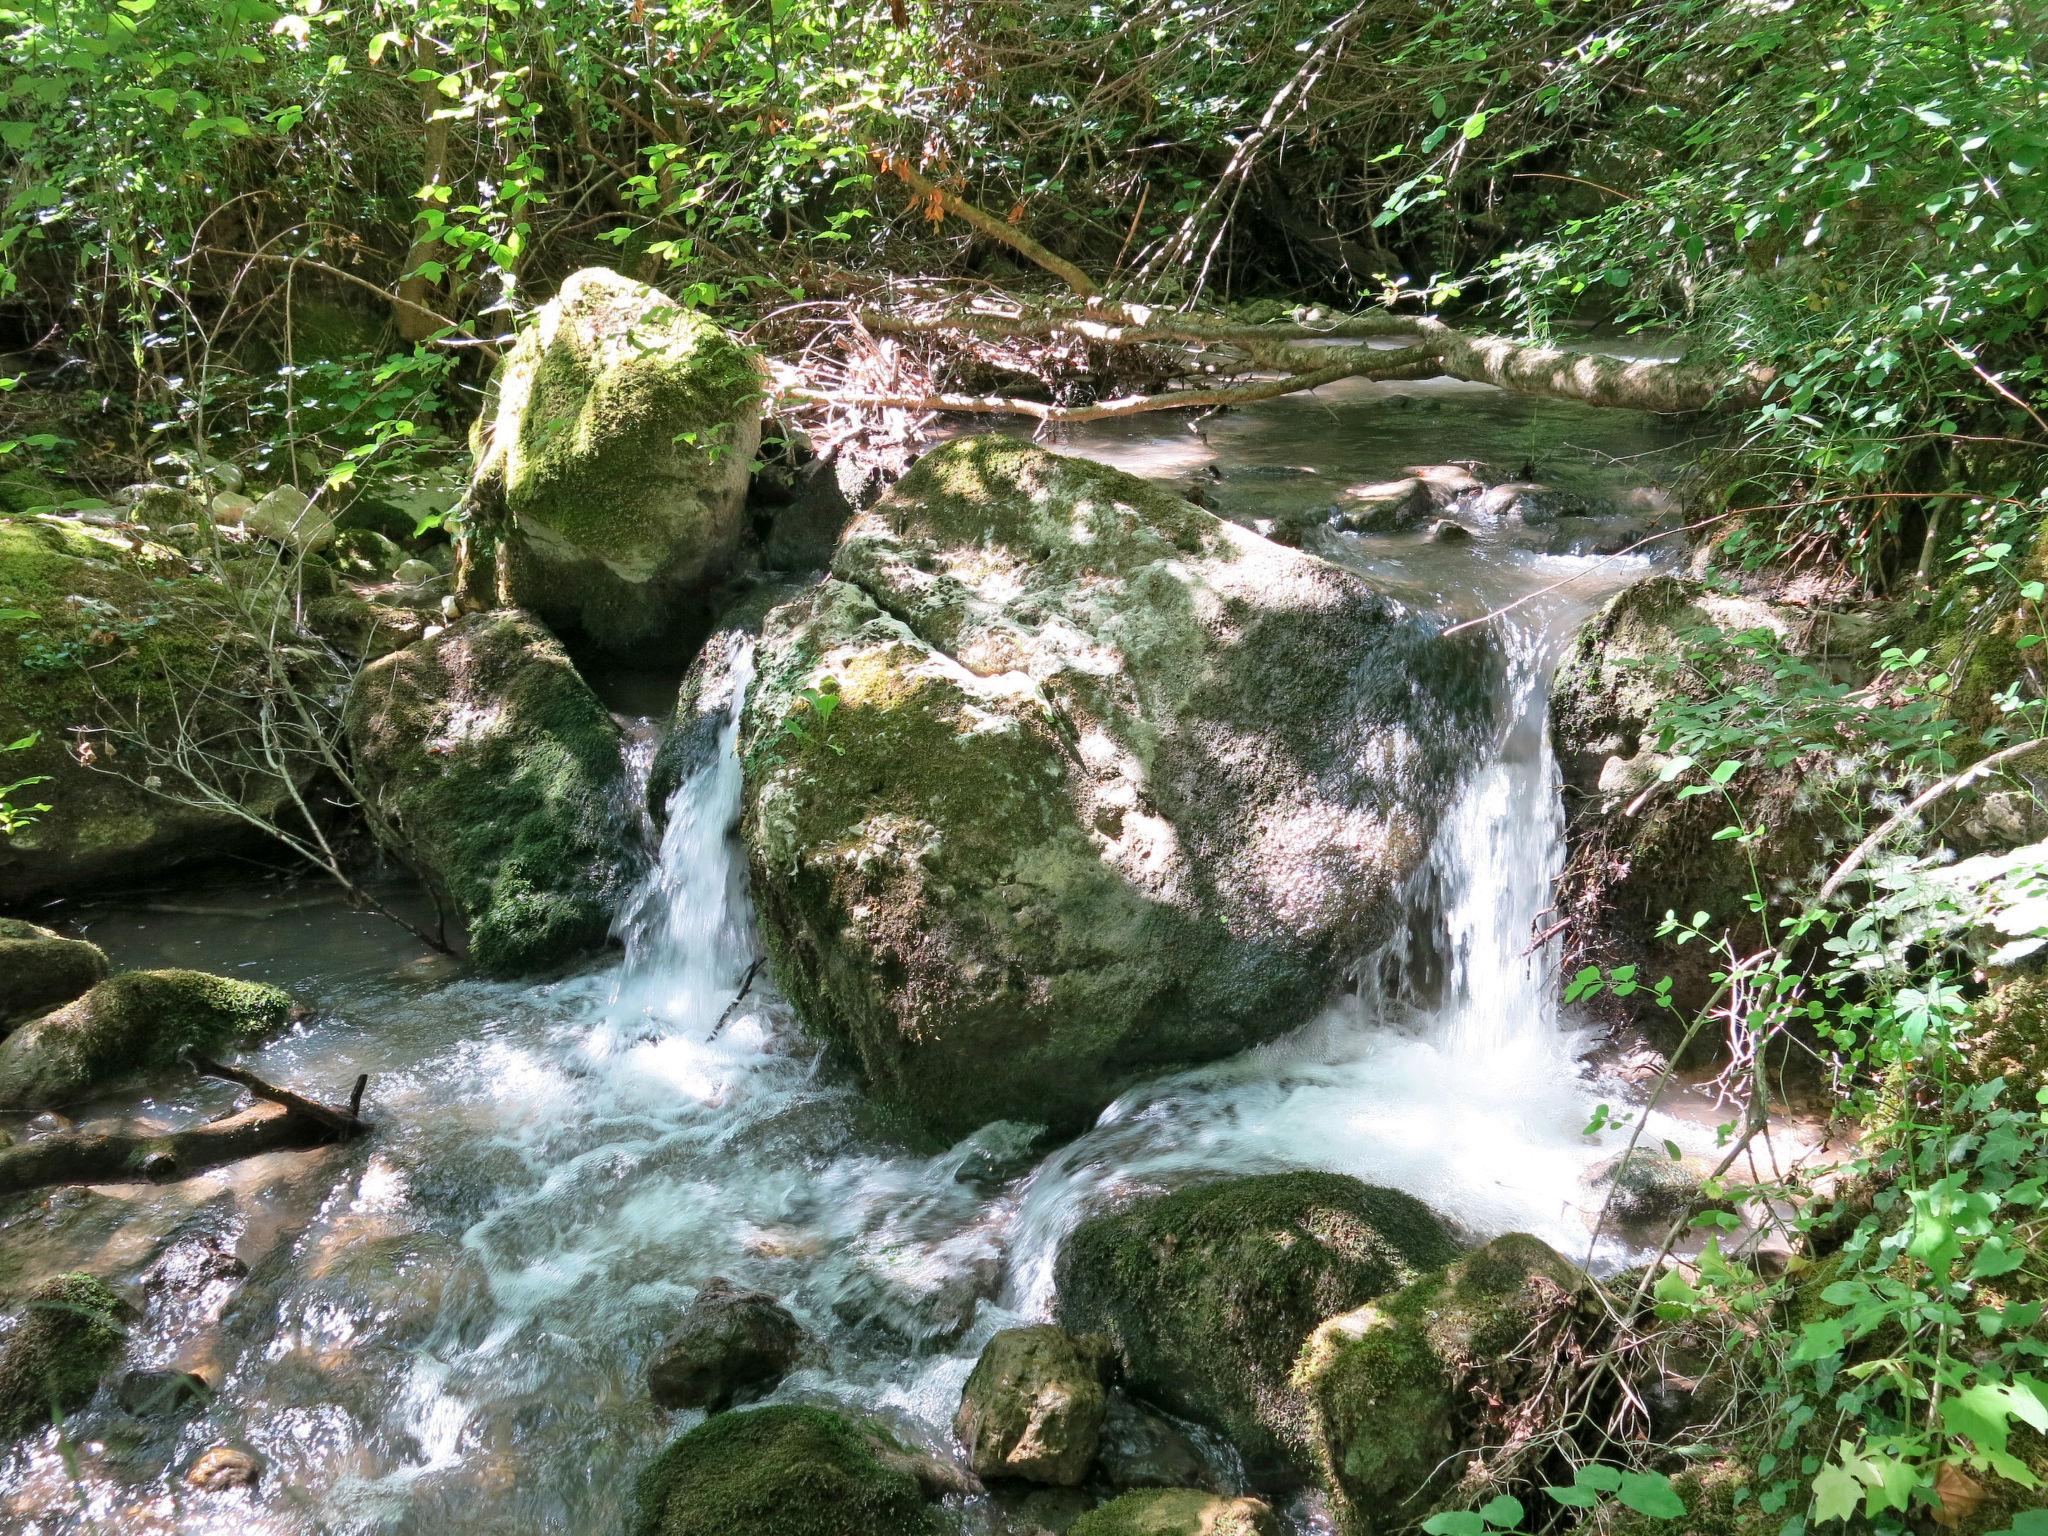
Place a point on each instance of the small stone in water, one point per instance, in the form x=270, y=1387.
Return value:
x=224, y=1467
x=732, y=1343
x=153, y=1391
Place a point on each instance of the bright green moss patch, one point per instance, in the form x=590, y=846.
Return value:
x=138, y=1021
x=1207, y=1294
x=1177, y=1512
x=781, y=1471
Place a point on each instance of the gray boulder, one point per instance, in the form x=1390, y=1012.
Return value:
x=1059, y=780
x=732, y=1344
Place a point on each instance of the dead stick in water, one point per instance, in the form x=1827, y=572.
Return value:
x=342, y=1123
x=746, y=986
x=121, y=1157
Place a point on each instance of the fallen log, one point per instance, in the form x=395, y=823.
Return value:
x=283, y=1121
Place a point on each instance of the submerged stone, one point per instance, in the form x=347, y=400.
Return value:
x=1059, y=781
x=1207, y=1294
x=68, y=1335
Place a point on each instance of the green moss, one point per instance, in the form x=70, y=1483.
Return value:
x=498, y=774
x=609, y=484
x=1390, y=1385
x=1712, y=1508
x=70, y=1333
x=781, y=1471
x=134, y=1022
x=121, y=628
x=1177, y=1512
x=1207, y=1294
x=2010, y=1035
x=40, y=969
x=27, y=490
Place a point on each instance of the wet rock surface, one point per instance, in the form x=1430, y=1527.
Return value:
x=732, y=1344
x=1033, y=1408
x=1060, y=780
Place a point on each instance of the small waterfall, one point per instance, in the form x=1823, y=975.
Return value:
x=689, y=929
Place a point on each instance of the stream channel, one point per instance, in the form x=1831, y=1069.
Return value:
x=444, y=1328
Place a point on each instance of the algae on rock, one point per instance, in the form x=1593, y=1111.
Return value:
x=1059, y=781
x=499, y=777
x=70, y=1332
x=137, y=1021
x=781, y=1471
x=1178, y=1512
x=1208, y=1294
x=612, y=462
x=1389, y=1385
x=41, y=970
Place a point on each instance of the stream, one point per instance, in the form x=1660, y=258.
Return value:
x=444, y=1328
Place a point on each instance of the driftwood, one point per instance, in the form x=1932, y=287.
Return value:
x=283, y=1121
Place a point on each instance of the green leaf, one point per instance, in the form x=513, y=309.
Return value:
x=1650, y=1493
x=1455, y=1522
x=1475, y=125
x=1504, y=1511
x=1836, y=1493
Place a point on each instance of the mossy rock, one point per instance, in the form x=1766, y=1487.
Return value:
x=1033, y=1407
x=138, y=1021
x=1107, y=785
x=120, y=630
x=612, y=462
x=705, y=702
x=1634, y=856
x=40, y=969
x=24, y=491
x=494, y=771
x=70, y=1333
x=2009, y=1035
x=1178, y=1512
x=1389, y=1385
x=1208, y=1294
x=781, y=1471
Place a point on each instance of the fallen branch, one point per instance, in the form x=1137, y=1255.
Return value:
x=339, y=1123
x=120, y=1157
x=995, y=228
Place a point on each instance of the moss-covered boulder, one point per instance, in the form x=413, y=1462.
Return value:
x=494, y=772
x=1637, y=848
x=612, y=462
x=40, y=970
x=108, y=636
x=1178, y=1512
x=68, y=1334
x=1060, y=780
x=1208, y=1294
x=138, y=1021
x=1033, y=1407
x=782, y=1471
x=1392, y=1387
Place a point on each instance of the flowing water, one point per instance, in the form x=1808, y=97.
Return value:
x=443, y=1328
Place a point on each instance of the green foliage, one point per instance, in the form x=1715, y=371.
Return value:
x=16, y=818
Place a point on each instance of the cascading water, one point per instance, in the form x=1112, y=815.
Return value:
x=445, y=1327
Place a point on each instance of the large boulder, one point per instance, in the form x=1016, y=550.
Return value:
x=1059, y=780
x=69, y=1334
x=612, y=462
x=1208, y=1294
x=1640, y=850
x=1033, y=1407
x=108, y=639
x=491, y=768
x=1398, y=1388
x=782, y=1471
x=138, y=1021
x=1178, y=1512
x=731, y=1344
x=41, y=970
